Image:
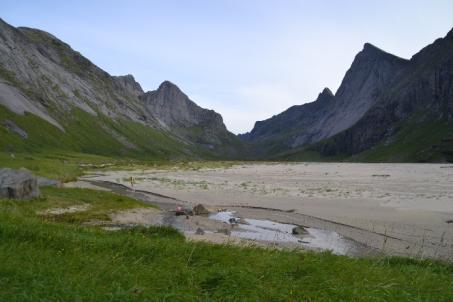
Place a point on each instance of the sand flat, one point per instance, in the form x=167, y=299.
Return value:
x=408, y=201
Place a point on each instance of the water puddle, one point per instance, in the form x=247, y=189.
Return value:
x=270, y=231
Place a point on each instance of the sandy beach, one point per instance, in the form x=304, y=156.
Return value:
x=408, y=203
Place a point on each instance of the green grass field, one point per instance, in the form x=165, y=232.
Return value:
x=48, y=259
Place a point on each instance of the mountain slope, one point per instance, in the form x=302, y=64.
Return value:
x=413, y=117
x=371, y=70
x=80, y=107
x=180, y=115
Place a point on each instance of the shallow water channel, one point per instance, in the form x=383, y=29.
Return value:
x=270, y=231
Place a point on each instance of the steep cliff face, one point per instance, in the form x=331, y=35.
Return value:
x=419, y=97
x=128, y=84
x=41, y=75
x=371, y=70
x=184, y=118
x=290, y=127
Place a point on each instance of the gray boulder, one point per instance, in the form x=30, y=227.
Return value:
x=199, y=231
x=298, y=230
x=200, y=209
x=18, y=184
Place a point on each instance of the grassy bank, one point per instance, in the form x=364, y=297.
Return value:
x=45, y=259
x=67, y=166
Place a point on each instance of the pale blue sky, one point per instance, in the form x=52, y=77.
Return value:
x=248, y=60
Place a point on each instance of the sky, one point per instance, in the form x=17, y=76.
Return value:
x=246, y=59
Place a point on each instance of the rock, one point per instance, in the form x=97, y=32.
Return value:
x=199, y=231
x=200, y=209
x=18, y=184
x=233, y=220
x=224, y=231
x=298, y=230
x=13, y=127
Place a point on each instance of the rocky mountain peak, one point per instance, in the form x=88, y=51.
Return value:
x=374, y=53
x=170, y=90
x=326, y=92
x=325, y=96
x=169, y=94
x=175, y=109
x=168, y=85
x=372, y=65
x=128, y=83
x=370, y=48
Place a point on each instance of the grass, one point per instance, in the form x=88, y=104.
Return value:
x=67, y=166
x=425, y=142
x=63, y=166
x=415, y=141
x=100, y=204
x=61, y=260
x=85, y=133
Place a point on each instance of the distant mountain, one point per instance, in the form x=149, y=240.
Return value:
x=386, y=109
x=413, y=117
x=177, y=113
x=382, y=103
x=61, y=100
x=330, y=114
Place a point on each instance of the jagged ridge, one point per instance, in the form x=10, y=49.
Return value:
x=44, y=76
x=330, y=114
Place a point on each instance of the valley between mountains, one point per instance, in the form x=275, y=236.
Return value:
x=109, y=192
x=387, y=109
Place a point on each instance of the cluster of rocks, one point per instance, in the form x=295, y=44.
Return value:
x=199, y=209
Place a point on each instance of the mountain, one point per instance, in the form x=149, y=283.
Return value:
x=386, y=109
x=371, y=70
x=58, y=99
x=177, y=113
x=413, y=117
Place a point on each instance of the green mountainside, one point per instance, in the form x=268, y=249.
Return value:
x=53, y=98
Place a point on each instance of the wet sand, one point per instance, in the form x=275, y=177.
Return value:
x=403, y=208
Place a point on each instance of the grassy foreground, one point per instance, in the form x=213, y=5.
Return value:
x=47, y=259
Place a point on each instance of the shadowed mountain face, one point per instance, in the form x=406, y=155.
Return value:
x=383, y=101
x=330, y=114
x=413, y=114
x=42, y=76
